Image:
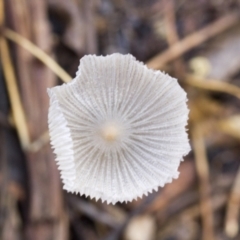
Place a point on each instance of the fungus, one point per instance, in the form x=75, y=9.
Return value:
x=118, y=128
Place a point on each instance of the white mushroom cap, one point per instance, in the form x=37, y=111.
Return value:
x=118, y=129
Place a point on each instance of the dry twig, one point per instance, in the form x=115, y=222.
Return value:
x=193, y=40
x=171, y=32
x=213, y=85
x=204, y=185
x=232, y=215
x=17, y=108
x=49, y=62
x=2, y=15
x=38, y=53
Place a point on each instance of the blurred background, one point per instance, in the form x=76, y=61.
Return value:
x=198, y=42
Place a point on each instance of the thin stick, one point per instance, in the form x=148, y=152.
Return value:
x=17, y=108
x=213, y=85
x=11, y=83
x=38, y=53
x=2, y=14
x=170, y=22
x=171, y=32
x=49, y=62
x=193, y=40
x=232, y=215
x=204, y=185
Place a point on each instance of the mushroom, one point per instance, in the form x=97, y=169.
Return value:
x=118, y=128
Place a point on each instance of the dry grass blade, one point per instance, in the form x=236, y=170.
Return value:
x=193, y=40
x=38, y=53
x=17, y=108
x=232, y=215
x=49, y=62
x=1, y=13
x=213, y=85
x=204, y=188
x=11, y=83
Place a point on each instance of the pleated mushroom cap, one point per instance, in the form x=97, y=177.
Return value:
x=118, y=129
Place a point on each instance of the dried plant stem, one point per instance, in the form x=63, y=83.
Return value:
x=49, y=62
x=212, y=85
x=232, y=215
x=2, y=15
x=193, y=40
x=171, y=32
x=204, y=185
x=38, y=53
x=17, y=108
x=11, y=83
x=170, y=22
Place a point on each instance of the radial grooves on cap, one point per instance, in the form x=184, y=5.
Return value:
x=61, y=141
x=147, y=107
